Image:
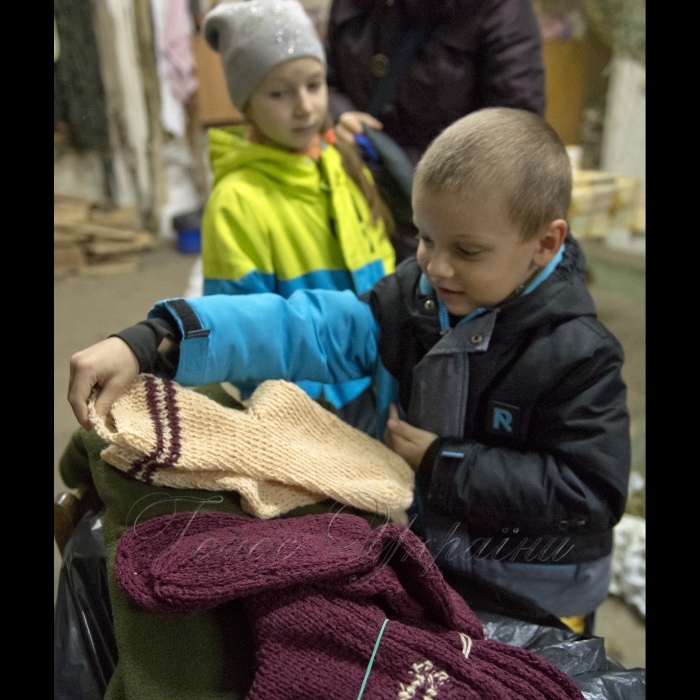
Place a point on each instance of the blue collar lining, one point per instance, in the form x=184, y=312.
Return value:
x=444, y=316
x=546, y=271
x=424, y=287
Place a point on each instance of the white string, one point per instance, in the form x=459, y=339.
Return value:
x=466, y=647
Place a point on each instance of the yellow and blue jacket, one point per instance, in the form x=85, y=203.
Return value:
x=280, y=222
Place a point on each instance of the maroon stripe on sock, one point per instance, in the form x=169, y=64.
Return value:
x=147, y=475
x=152, y=401
x=173, y=422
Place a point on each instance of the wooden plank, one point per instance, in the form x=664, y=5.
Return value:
x=68, y=211
x=69, y=200
x=142, y=241
x=593, y=177
x=66, y=239
x=122, y=217
x=102, y=232
x=146, y=240
x=72, y=258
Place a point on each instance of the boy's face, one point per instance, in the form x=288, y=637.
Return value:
x=472, y=254
x=291, y=103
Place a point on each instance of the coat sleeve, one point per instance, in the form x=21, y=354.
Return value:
x=338, y=101
x=575, y=480
x=317, y=335
x=237, y=256
x=510, y=72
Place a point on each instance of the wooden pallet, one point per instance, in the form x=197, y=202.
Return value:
x=91, y=241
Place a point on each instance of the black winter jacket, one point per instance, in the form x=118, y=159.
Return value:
x=543, y=449
x=480, y=53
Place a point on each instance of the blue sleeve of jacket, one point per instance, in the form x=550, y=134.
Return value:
x=318, y=335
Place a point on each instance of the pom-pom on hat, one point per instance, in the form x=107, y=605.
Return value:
x=253, y=37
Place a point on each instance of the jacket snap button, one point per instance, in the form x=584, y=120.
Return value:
x=476, y=339
x=429, y=304
x=380, y=65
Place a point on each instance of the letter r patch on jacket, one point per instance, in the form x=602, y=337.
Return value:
x=503, y=418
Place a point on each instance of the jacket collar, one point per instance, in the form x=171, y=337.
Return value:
x=527, y=287
x=230, y=151
x=557, y=291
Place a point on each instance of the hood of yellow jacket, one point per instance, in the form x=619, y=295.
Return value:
x=229, y=152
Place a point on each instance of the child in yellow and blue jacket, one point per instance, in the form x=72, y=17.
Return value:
x=289, y=209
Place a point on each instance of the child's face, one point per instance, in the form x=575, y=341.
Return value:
x=291, y=103
x=472, y=254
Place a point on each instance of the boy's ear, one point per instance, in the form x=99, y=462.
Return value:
x=549, y=242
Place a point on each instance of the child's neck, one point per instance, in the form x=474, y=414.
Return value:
x=311, y=150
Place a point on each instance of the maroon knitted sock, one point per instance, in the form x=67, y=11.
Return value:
x=317, y=590
x=187, y=561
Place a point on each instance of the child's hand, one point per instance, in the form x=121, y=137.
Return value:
x=351, y=123
x=110, y=365
x=408, y=442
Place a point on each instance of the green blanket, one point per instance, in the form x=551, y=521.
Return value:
x=204, y=656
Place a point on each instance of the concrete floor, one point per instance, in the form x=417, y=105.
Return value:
x=88, y=309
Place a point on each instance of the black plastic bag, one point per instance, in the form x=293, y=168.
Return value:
x=581, y=657
x=85, y=648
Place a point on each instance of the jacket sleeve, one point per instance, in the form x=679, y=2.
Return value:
x=577, y=478
x=317, y=335
x=510, y=72
x=236, y=253
x=338, y=101
x=145, y=338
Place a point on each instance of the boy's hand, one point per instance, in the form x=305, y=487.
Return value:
x=110, y=365
x=408, y=442
x=351, y=123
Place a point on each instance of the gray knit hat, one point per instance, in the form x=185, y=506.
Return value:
x=253, y=37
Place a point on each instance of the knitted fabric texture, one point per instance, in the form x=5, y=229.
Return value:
x=316, y=591
x=284, y=451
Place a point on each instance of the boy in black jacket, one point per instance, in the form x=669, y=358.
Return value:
x=514, y=407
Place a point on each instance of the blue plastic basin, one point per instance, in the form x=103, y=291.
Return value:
x=189, y=242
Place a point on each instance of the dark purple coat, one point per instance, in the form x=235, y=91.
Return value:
x=481, y=53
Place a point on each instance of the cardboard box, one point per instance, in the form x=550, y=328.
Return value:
x=215, y=107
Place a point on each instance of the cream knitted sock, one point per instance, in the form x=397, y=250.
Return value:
x=282, y=452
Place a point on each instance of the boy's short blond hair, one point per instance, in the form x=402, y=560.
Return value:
x=506, y=152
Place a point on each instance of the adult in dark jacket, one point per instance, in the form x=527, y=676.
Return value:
x=478, y=53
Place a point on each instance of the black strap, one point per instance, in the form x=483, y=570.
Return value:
x=410, y=43
x=189, y=319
